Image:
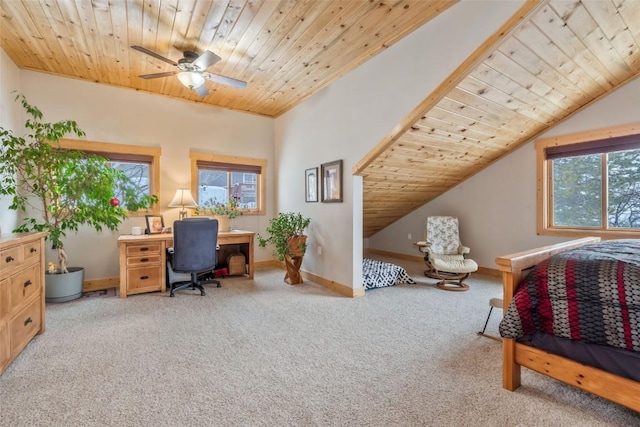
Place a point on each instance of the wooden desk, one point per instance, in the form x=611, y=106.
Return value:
x=143, y=259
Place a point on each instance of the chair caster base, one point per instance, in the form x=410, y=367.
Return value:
x=449, y=281
x=456, y=287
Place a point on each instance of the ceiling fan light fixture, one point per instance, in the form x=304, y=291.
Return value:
x=191, y=79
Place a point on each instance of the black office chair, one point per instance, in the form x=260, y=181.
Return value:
x=194, y=251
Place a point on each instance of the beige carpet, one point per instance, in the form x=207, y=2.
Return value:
x=264, y=353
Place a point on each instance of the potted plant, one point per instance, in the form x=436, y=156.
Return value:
x=223, y=212
x=286, y=234
x=59, y=190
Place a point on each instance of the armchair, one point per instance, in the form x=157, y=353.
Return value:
x=194, y=251
x=444, y=254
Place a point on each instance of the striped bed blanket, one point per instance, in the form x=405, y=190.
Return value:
x=589, y=294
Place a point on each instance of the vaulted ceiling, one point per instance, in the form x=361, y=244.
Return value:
x=286, y=50
x=548, y=61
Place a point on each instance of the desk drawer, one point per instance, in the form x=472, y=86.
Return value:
x=144, y=278
x=25, y=325
x=142, y=250
x=141, y=261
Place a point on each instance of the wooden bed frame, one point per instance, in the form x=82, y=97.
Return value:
x=617, y=389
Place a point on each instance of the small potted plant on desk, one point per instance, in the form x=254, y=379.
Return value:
x=59, y=190
x=223, y=212
x=286, y=234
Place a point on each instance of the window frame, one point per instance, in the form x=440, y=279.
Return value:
x=261, y=191
x=544, y=185
x=124, y=152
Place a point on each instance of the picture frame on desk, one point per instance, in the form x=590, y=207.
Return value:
x=155, y=224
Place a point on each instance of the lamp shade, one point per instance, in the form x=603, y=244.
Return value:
x=190, y=79
x=183, y=199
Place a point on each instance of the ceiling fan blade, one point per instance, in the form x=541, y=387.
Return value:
x=156, y=75
x=202, y=90
x=206, y=60
x=225, y=80
x=155, y=55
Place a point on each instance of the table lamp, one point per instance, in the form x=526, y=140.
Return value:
x=183, y=199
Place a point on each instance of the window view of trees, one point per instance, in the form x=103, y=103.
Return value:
x=577, y=190
x=138, y=183
x=624, y=189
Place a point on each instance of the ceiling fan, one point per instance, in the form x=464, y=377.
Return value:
x=191, y=70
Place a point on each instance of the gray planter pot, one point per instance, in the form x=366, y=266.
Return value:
x=64, y=287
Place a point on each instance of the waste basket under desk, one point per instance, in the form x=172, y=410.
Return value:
x=143, y=259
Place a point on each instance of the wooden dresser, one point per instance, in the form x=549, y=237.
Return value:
x=21, y=292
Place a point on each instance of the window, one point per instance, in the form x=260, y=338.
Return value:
x=588, y=184
x=140, y=164
x=216, y=178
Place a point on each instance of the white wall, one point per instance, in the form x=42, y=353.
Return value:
x=10, y=119
x=111, y=114
x=347, y=119
x=497, y=207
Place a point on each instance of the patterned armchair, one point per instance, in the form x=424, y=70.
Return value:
x=444, y=254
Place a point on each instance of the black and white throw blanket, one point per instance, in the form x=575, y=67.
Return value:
x=378, y=274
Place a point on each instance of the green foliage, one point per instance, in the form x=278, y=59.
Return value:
x=281, y=229
x=214, y=207
x=59, y=190
x=577, y=190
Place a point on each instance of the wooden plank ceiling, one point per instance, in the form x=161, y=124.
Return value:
x=549, y=61
x=286, y=50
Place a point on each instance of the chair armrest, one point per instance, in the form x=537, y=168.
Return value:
x=464, y=250
x=423, y=246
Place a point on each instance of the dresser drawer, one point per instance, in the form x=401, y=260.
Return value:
x=11, y=258
x=141, y=261
x=141, y=250
x=30, y=251
x=5, y=303
x=148, y=278
x=24, y=285
x=5, y=349
x=25, y=325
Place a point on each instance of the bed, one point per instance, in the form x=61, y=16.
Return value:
x=380, y=274
x=519, y=347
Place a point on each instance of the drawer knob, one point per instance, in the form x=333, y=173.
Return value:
x=32, y=250
x=144, y=259
x=28, y=283
x=9, y=259
x=144, y=249
x=144, y=277
x=26, y=322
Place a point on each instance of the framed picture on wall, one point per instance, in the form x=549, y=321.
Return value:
x=155, y=224
x=331, y=174
x=311, y=185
